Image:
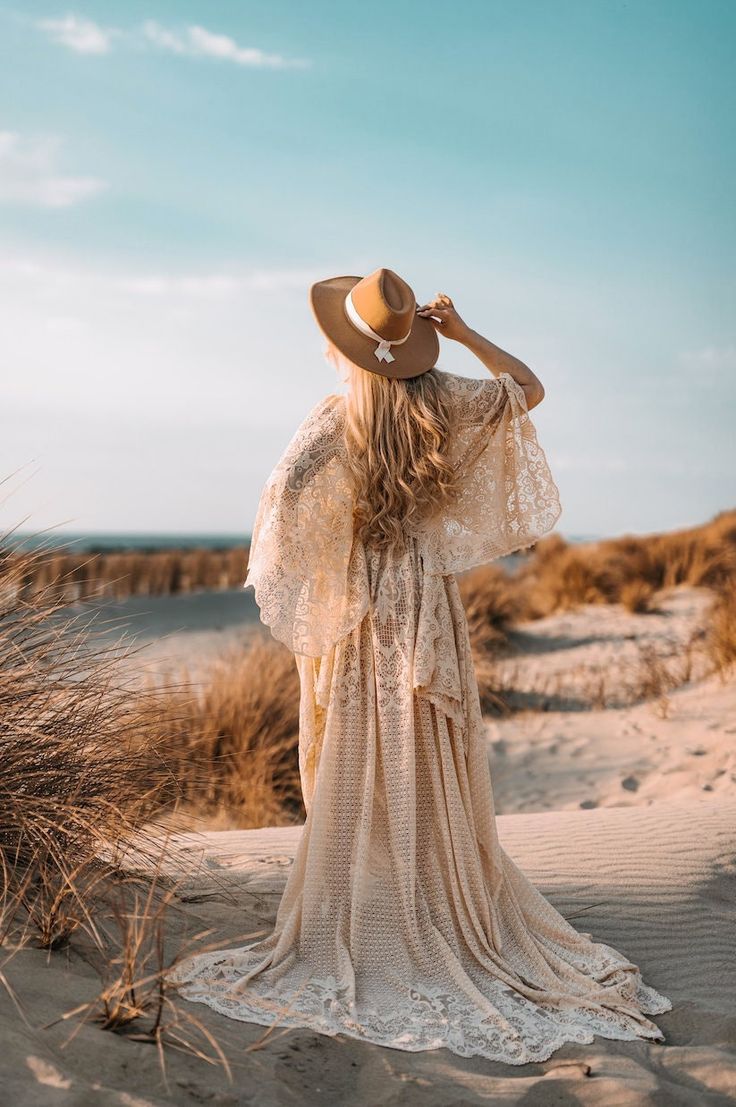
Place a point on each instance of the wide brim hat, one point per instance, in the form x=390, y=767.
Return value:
x=372, y=321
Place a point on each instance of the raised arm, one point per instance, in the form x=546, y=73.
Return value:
x=441, y=312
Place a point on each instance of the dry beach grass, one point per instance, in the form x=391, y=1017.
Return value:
x=85, y=768
x=232, y=739
x=634, y=573
x=629, y=570
x=71, y=575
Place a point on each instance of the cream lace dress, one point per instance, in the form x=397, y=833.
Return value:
x=403, y=921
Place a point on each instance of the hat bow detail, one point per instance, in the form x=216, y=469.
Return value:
x=383, y=350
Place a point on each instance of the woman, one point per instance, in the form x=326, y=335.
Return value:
x=403, y=921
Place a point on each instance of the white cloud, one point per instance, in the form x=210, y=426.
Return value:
x=159, y=36
x=80, y=35
x=29, y=174
x=197, y=41
x=86, y=37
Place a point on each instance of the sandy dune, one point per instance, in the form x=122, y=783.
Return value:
x=659, y=883
x=618, y=757
x=677, y=745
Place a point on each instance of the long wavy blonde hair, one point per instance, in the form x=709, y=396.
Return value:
x=397, y=434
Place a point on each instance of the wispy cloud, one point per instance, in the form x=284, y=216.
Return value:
x=83, y=36
x=78, y=34
x=29, y=174
x=197, y=41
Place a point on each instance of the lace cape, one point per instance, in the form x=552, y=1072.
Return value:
x=309, y=572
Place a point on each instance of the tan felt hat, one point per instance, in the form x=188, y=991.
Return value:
x=372, y=320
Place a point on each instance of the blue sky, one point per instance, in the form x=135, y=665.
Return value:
x=174, y=176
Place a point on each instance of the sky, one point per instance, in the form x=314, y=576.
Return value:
x=174, y=176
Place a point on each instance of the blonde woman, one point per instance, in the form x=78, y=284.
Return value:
x=403, y=921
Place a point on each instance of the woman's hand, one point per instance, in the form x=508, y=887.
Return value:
x=442, y=315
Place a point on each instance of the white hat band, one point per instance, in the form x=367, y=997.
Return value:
x=383, y=349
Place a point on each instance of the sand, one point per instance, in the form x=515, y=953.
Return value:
x=659, y=883
x=625, y=813
x=680, y=745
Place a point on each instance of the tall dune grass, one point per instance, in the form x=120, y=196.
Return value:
x=75, y=772
x=68, y=576
x=88, y=759
x=620, y=570
x=721, y=630
x=90, y=756
x=629, y=570
x=232, y=739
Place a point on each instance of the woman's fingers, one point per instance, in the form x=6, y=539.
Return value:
x=438, y=308
x=442, y=314
x=442, y=303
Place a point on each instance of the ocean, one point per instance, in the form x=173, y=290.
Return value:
x=115, y=541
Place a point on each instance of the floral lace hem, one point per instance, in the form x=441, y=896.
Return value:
x=513, y=1030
